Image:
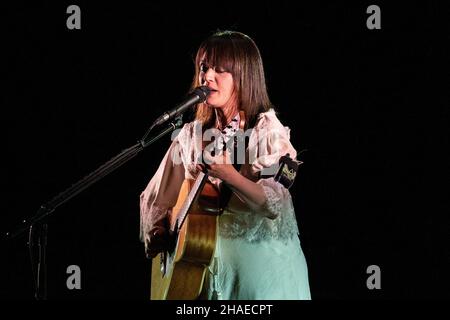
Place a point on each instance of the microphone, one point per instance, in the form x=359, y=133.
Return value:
x=198, y=95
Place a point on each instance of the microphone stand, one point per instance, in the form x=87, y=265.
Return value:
x=38, y=228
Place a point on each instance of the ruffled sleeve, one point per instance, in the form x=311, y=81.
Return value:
x=271, y=141
x=161, y=193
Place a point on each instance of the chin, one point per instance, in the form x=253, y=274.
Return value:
x=212, y=104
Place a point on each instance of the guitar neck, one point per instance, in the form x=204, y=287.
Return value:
x=193, y=193
x=197, y=187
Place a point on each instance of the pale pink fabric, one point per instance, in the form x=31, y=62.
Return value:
x=268, y=141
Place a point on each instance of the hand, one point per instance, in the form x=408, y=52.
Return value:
x=158, y=240
x=219, y=166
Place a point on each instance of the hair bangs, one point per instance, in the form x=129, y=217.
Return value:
x=218, y=53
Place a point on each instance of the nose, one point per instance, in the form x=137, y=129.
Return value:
x=209, y=75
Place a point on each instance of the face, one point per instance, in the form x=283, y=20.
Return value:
x=221, y=84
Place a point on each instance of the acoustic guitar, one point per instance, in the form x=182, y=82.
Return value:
x=179, y=273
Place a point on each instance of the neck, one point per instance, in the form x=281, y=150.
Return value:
x=225, y=115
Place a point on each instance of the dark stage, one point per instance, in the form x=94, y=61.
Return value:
x=366, y=104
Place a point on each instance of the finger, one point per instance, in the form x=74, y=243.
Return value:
x=201, y=167
x=157, y=231
x=150, y=254
x=155, y=247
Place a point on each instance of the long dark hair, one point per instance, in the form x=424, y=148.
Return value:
x=237, y=53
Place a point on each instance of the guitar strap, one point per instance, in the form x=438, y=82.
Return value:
x=225, y=191
x=237, y=139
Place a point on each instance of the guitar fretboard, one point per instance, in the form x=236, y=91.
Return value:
x=190, y=198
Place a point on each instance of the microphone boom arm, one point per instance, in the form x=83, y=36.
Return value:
x=101, y=172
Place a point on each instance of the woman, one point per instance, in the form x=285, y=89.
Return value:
x=258, y=253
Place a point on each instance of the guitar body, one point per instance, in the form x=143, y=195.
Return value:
x=179, y=275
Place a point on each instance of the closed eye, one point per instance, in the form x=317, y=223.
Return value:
x=204, y=68
x=220, y=70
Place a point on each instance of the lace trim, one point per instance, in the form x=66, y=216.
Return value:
x=273, y=201
x=254, y=227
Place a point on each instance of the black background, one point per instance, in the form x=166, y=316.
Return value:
x=365, y=103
